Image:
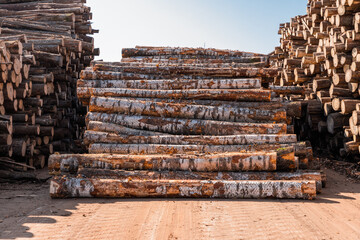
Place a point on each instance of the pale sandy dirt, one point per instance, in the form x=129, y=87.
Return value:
x=26, y=211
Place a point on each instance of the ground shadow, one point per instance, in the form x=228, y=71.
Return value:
x=43, y=209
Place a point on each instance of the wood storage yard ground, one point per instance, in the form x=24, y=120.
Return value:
x=188, y=143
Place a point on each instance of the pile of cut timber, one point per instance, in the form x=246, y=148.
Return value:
x=321, y=51
x=205, y=128
x=43, y=47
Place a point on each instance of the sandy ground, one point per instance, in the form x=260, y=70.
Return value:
x=27, y=212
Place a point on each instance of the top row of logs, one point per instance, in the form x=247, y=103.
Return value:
x=43, y=47
x=321, y=51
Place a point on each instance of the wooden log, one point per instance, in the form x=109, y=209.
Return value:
x=335, y=121
x=49, y=59
x=285, y=153
x=293, y=108
x=180, y=175
x=73, y=187
x=177, y=110
x=118, y=129
x=255, y=161
x=348, y=105
x=187, y=126
x=190, y=70
x=19, y=147
x=31, y=130
x=287, y=90
x=177, y=84
x=6, y=126
x=356, y=117
x=163, y=51
x=248, y=139
x=250, y=95
x=6, y=139
x=6, y=150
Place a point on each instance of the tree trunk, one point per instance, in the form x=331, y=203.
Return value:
x=187, y=126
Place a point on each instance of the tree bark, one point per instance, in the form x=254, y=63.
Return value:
x=178, y=110
x=188, y=126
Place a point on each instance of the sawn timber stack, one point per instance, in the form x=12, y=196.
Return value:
x=205, y=128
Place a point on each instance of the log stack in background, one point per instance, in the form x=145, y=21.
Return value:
x=180, y=122
x=321, y=51
x=43, y=47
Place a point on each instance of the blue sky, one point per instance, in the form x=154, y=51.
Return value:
x=248, y=25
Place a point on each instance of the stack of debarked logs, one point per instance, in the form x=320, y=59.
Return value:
x=179, y=128
x=321, y=51
x=44, y=46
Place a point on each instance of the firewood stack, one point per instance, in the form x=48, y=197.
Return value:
x=162, y=126
x=44, y=46
x=320, y=51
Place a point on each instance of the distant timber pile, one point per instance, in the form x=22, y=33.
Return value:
x=44, y=45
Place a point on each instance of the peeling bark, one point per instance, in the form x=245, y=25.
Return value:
x=187, y=126
x=174, y=71
x=118, y=129
x=255, y=161
x=113, y=136
x=285, y=153
x=178, y=110
x=180, y=175
x=81, y=187
x=250, y=95
x=173, y=84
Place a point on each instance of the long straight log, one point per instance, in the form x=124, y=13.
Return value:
x=250, y=95
x=169, y=66
x=293, y=109
x=163, y=51
x=255, y=161
x=193, y=71
x=80, y=187
x=177, y=110
x=248, y=139
x=285, y=153
x=187, y=126
x=173, y=84
x=180, y=175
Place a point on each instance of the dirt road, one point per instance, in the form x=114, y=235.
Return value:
x=28, y=212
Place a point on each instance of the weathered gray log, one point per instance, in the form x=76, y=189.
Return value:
x=80, y=187
x=187, y=126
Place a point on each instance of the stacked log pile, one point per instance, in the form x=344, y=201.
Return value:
x=320, y=51
x=43, y=47
x=175, y=128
